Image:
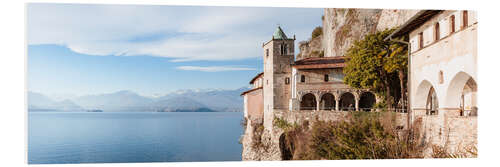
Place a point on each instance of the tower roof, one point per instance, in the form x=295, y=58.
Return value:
x=279, y=34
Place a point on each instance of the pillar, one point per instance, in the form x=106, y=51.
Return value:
x=356, y=100
x=317, y=105
x=337, y=101
x=317, y=101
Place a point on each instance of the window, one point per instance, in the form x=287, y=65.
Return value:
x=285, y=49
x=302, y=78
x=465, y=18
x=287, y=80
x=267, y=53
x=326, y=77
x=282, y=49
x=441, y=77
x=452, y=24
x=420, y=40
x=267, y=82
x=436, y=32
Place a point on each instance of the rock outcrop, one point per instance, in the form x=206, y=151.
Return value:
x=341, y=27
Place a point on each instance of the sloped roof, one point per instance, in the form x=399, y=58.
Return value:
x=256, y=76
x=320, y=62
x=279, y=34
x=251, y=90
x=413, y=23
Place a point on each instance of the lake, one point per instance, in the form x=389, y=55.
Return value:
x=118, y=137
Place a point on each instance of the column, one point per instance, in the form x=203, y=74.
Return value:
x=357, y=103
x=317, y=100
x=317, y=105
x=337, y=104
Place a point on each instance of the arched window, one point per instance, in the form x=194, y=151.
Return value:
x=452, y=24
x=326, y=77
x=420, y=40
x=465, y=19
x=287, y=80
x=441, y=77
x=436, y=32
x=267, y=53
x=302, y=78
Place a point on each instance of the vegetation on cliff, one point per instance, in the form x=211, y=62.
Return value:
x=317, y=32
x=361, y=136
x=379, y=65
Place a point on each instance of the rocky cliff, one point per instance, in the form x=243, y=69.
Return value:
x=341, y=27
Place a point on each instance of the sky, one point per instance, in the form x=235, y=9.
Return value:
x=81, y=49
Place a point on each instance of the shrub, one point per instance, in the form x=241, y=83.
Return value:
x=317, y=32
x=321, y=54
x=361, y=136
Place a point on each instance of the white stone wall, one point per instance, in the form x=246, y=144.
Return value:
x=453, y=55
x=444, y=64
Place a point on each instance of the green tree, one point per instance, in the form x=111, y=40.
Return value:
x=379, y=65
x=317, y=32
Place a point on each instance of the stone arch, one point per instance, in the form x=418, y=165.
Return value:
x=327, y=101
x=432, y=103
x=286, y=147
x=308, y=102
x=461, y=93
x=347, y=101
x=366, y=101
x=420, y=99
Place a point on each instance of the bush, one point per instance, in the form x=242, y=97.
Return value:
x=361, y=136
x=317, y=32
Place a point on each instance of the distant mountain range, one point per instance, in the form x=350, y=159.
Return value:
x=201, y=100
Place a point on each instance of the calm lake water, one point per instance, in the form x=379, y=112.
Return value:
x=86, y=137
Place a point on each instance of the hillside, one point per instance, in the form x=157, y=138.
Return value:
x=207, y=100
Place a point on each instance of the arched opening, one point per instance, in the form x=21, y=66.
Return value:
x=461, y=94
x=432, y=104
x=366, y=101
x=347, y=102
x=468, y=103
x=327, y=102
x=420, y=99
x=308, y=102
x=286, y=147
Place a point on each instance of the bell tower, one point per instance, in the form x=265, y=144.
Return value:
x=278, y=58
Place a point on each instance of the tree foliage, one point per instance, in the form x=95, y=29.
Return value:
x=317, y=32
x=379, y=65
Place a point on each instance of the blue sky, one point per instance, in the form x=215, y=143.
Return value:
x=77, y=49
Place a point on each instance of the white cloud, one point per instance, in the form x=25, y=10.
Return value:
x=214, y=68
x=191, y=33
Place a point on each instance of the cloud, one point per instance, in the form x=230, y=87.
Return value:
x=214, y=68
x=183, y=33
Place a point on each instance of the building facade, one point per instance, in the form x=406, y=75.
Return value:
x=305, y=85
x=443, y=75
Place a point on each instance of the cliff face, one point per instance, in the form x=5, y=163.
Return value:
x=341, y=27
x=310, y=48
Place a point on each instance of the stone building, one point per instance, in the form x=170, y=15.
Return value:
x=308, y=84
x=443, y=75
